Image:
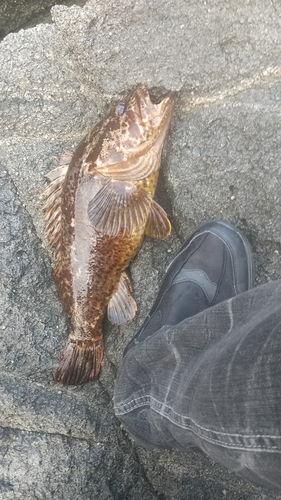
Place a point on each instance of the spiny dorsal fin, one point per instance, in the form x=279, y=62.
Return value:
x=119, y=208
x=52, y=205
x=122, y=306
x=158, y=224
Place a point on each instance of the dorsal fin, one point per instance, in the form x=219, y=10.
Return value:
x=52, y=205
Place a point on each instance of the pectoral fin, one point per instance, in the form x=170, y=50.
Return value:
x=122, y=306
x=158, y=224
x=119, y=208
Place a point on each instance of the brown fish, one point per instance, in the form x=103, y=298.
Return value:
x=99, y=207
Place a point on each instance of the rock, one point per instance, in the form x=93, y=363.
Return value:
x=16, y=14
x=220, y=160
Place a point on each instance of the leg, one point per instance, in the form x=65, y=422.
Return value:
x=214, y=382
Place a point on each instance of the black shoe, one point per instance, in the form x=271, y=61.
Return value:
x=213, y=265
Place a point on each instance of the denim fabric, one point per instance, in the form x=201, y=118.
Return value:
x=212, y=382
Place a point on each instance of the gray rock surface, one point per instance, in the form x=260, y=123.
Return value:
x=16, y=14
x=221, y=159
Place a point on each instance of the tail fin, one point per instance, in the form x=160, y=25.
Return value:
x=80, y=362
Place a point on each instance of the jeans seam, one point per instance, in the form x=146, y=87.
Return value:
x=154, y=403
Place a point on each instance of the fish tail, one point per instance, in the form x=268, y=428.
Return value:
x=80, y=362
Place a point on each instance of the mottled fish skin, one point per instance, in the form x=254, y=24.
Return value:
x=99, y=208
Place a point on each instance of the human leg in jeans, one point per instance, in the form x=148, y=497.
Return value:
x=213, y=379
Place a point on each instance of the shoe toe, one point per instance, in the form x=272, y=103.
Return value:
x=213, y=265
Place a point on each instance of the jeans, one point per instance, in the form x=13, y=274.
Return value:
x=212, y=382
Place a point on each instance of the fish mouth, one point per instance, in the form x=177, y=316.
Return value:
x=153, y=110
x=152, y=114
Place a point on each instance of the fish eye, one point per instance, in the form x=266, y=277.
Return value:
x=120, y=109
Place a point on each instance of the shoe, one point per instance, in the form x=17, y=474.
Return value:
x=213, y=265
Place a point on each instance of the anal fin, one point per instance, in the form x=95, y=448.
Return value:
x=158, y=224
x=122, y=306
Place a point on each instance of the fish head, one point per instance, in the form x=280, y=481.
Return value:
x=133, y=127
x=142, y=121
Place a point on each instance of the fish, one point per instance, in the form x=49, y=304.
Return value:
x=98, y=207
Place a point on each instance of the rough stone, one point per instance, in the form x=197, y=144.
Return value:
x=16, y=14
x=221, y=159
